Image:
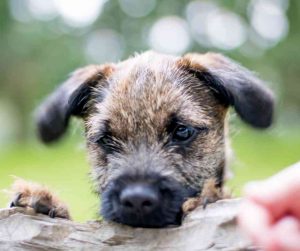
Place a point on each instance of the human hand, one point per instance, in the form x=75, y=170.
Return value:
x=271, y=213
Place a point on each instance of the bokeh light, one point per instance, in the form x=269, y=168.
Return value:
x=170, y=35
x=137, y=8
x=197, y=13
x=19, y=10
x=226, y=30
x=74, y=13
x=212, y=26
x=268, y=19
x=42, y=10
x=104, y=46
x=78, y=13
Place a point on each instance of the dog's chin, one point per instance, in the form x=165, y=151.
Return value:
x=167, y=212
x=158, y=219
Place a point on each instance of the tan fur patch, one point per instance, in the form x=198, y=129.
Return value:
x=209, y=194
x=29, y=194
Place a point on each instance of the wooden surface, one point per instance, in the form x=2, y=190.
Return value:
x=211, y=229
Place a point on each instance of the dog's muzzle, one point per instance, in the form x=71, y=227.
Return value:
x=144, y=200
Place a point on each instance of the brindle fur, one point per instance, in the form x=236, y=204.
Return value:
x=134, y=101
x=38, y=197
x=141, y=97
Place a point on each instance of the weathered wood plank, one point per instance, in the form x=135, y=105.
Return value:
x=211, y=229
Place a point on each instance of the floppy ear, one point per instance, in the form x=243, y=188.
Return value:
x=233, y=85
x=71, y=98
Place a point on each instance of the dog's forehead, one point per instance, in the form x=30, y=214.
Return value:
x=145, y=91
x=147, y=83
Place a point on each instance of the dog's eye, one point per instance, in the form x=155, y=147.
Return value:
x=108, y=144
x=183, y=133
x=105, y=140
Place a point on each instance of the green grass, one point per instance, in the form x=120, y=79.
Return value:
x=259, y=154
x=64, y=168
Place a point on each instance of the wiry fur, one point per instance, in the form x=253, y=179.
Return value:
x=211, y=192
x=139, y=101
x=38, y=197
x=135, y=103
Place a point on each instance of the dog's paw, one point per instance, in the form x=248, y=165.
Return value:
x=190, y=204
x=210, y=193
x=29, y=194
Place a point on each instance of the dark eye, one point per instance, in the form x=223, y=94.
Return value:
x=183, y=133
x=108, y=144
x=105, y=140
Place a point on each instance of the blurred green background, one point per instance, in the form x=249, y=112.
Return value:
x=42, y=41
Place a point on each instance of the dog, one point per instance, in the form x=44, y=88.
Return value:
x=156, y=132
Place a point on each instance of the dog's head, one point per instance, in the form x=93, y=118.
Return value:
x=155, y=128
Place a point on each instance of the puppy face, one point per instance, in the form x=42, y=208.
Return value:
x=155, y=128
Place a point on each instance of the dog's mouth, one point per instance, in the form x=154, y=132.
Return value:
x=150, y=201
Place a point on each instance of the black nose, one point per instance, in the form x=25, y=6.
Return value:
x=139, y=199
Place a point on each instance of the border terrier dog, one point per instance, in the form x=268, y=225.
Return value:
x=156, y=132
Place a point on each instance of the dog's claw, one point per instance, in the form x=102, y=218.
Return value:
x=52, y=213
x=205, y=202
x=209, y=194
x=14, y=202
x=39, y=198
